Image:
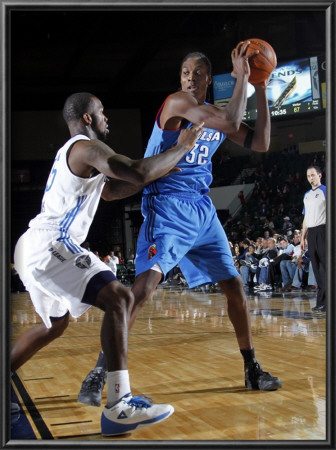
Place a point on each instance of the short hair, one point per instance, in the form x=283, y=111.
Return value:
x=271, y=240
x=76, y=105
x=198, y=55
x=317, y=168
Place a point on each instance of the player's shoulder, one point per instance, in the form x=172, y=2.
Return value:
x=181, y=97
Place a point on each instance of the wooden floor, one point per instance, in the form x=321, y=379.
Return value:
x=183, y=351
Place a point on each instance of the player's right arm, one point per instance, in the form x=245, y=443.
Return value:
x=92, y=154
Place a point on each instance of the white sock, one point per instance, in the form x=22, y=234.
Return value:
x=118, y=386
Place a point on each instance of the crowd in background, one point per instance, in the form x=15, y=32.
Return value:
x=263, y=234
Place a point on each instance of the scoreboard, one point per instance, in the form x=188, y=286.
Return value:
x=294, y=89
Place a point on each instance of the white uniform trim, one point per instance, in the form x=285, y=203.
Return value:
x=48, y=257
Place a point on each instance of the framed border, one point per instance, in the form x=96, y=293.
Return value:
x=329, y=8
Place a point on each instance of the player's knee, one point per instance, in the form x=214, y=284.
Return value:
x=121, y=301
x=233, y=287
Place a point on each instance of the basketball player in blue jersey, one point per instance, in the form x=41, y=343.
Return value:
x=180, y=222
x=64, y=278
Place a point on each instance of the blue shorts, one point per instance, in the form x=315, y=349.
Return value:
x=186, y=231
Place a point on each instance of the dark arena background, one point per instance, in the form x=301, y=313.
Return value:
x=183, y=348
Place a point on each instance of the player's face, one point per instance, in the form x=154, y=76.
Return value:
x=195, y=78
x=99, y=120
x=314, y=178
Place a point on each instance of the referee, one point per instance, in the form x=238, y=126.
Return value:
x=314, y=226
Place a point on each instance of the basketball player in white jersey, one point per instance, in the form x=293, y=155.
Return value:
x=64, y=278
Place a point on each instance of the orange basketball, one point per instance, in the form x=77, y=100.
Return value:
x=263, y=63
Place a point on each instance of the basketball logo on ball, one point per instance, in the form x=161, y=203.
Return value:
x=263, y=63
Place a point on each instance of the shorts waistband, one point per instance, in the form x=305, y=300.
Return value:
x=185, y=195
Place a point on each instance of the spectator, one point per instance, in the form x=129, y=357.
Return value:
x=120, y=258
x=241, y=198
x=248, y=266
x=288, y=266
x=263, y=211
x=244, y=245
x=264, y=261
x=274, y=263
x=287, y=227
x=111, y=264
x=114, y=258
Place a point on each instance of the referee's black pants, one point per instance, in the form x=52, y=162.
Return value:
x=317, y=253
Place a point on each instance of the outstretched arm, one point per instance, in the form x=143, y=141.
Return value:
x=94, y=154
x=118, y=189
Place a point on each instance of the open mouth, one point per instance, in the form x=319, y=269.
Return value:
x=192, y=88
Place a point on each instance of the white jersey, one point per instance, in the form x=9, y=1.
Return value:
x=69, y=202
x=48, y=257
x=315, y=207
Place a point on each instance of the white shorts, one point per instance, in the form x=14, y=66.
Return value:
x=55, y=276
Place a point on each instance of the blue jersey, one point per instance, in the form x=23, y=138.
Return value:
x=196, y=165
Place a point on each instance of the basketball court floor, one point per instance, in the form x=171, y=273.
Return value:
x=183, y=351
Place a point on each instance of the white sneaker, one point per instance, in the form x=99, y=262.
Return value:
x=131, y=413
x=259, y=287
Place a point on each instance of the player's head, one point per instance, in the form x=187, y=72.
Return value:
x=85, y=109
x=195, y=75
x=314, y=175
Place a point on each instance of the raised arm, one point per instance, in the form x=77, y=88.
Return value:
x=188, y=104
x=258, y=138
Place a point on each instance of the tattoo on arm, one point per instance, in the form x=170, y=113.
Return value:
x=95, y=151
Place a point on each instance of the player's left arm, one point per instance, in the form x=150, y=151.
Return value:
x=258, y=138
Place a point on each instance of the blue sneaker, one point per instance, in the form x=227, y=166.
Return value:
x=132, y=413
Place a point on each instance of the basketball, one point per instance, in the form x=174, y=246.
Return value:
x=263, y=63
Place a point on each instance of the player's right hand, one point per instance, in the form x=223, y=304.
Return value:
x=240, y=59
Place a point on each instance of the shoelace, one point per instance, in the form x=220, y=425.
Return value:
x=94, y=381
x=258, y=370
x=140, y=401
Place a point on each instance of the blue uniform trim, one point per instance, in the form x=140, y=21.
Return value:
x=96, y=283
x=322, y=187
x=66, y=223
